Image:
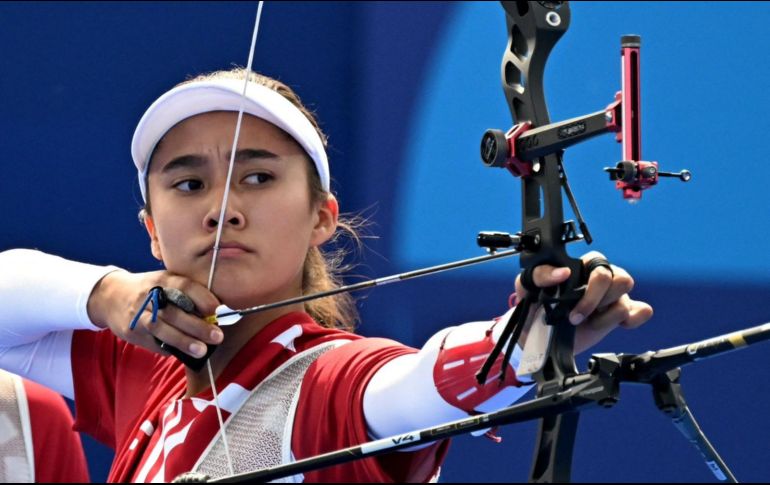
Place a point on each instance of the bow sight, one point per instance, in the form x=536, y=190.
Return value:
x=519, y=149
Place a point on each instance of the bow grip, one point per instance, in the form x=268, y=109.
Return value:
x=565, y=296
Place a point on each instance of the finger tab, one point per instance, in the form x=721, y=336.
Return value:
x=180, y=299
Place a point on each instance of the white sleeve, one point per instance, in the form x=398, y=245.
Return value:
x=402, y=395
x=46, y=361
x=44, y=298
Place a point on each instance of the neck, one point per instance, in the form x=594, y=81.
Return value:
x=236, y=336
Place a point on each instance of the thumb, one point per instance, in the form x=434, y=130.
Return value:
x=544, y=276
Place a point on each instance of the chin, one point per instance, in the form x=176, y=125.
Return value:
x=237, y=298
x=239, y=303
x=248, y=291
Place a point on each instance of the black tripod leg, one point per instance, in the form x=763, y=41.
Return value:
x=670, y=399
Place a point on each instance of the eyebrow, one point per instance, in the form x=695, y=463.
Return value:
x=195, y=161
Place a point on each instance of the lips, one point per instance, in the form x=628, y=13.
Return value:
x=228, y=249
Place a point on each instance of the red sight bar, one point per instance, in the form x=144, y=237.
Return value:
x=519, y=148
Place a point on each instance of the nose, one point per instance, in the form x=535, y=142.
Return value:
x=233, y=218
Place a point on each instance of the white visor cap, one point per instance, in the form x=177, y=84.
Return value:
x=199, y=97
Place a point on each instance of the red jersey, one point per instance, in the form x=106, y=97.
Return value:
x=58, y=453
x=132, y=400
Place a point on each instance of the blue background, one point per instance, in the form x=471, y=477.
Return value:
x=405, y=92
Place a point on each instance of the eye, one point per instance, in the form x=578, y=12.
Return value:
x=189, y=185
x=258, y=178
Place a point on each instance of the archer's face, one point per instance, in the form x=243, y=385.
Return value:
x=270, y=222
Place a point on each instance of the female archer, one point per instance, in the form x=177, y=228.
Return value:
x=291, y=382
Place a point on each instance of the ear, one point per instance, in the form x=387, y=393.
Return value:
x=149, y=224
x=328, y=216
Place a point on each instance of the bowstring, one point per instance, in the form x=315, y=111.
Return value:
x=220, y=224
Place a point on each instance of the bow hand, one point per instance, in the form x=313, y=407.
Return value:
x=604, y=306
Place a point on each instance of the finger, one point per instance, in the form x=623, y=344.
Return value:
x=141, y=335
x=599, y=284
x=601, y=324
x=639, y=313
x=176, y=338
x=187, y=323
x=192, y=325
x=205, y=301
x=622, y=283
x=612, y=317
x=544, y=276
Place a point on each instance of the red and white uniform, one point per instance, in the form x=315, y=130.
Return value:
x=131, y=400
x=57, y=448
x=37, y=442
